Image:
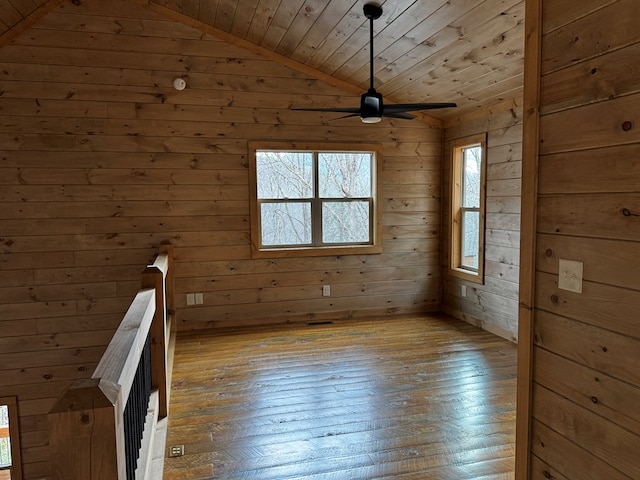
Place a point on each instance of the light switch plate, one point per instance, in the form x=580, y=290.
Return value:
x=570, y=275
x=191, y=299
x=199, y=298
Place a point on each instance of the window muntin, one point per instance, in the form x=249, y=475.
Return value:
x=314, y=198
x=467, y=208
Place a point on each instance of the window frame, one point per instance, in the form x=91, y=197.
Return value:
x=455, y=267
x=14, y=437
x=375, y=224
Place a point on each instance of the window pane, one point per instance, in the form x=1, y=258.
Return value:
x=344, y=175
x=470, y=240
x=345, y=222
x=471, y=162
x=5, y=444
x=282, y=175
x=287, y=223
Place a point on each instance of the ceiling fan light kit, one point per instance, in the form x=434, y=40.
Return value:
x=372, y=108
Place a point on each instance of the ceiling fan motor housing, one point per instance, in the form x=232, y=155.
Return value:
x=371, y=106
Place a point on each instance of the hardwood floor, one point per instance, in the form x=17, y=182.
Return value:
x=421, y=397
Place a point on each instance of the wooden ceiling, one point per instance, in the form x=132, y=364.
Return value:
x=12, y=12
x=466, y=51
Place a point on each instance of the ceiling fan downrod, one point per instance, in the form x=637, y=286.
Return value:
x=372, y=12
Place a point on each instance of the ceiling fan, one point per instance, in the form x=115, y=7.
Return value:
x=372, y=108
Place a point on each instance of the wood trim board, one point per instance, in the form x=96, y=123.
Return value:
x=533, y=54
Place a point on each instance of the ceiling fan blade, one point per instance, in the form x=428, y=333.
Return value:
x=347, y=116
x=337, y=110
x=412, y=107
x=406, y=116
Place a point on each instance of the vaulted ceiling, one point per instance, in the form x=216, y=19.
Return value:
x=466, y=51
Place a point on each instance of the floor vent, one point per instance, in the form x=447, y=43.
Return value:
x=315, y=324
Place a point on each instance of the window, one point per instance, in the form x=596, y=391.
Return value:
x=10, y=467
x=314, y=199
x=467, y=208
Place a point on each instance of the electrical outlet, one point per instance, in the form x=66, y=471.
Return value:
x=463, y=290
x=176, y=451
x=570, y=275
x=191, y=299
x=326, y=290
x=199, y=298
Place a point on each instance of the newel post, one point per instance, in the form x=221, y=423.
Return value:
x=86, y=433
x=154, y=277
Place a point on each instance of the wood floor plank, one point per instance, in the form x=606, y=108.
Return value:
x=413, y=397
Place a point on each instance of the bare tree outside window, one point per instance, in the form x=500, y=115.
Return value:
x=315, y=198
x=287, y=179
x=345, y=177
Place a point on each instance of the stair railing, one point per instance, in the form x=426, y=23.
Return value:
x=102, y=428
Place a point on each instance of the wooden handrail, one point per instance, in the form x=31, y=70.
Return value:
x=118, y=364
x=86, y=426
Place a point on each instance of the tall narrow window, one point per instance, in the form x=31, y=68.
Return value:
x=10, y=467
x=467, y=208
x=314, y=199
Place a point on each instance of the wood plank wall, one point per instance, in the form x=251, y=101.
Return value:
x=101, y=161
x=586, y=375
x=494, y=304
x=13, y=12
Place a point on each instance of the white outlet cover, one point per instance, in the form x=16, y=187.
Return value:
x=199, y=298
x=570, y=275
x=191, y=299
x=326, y=290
